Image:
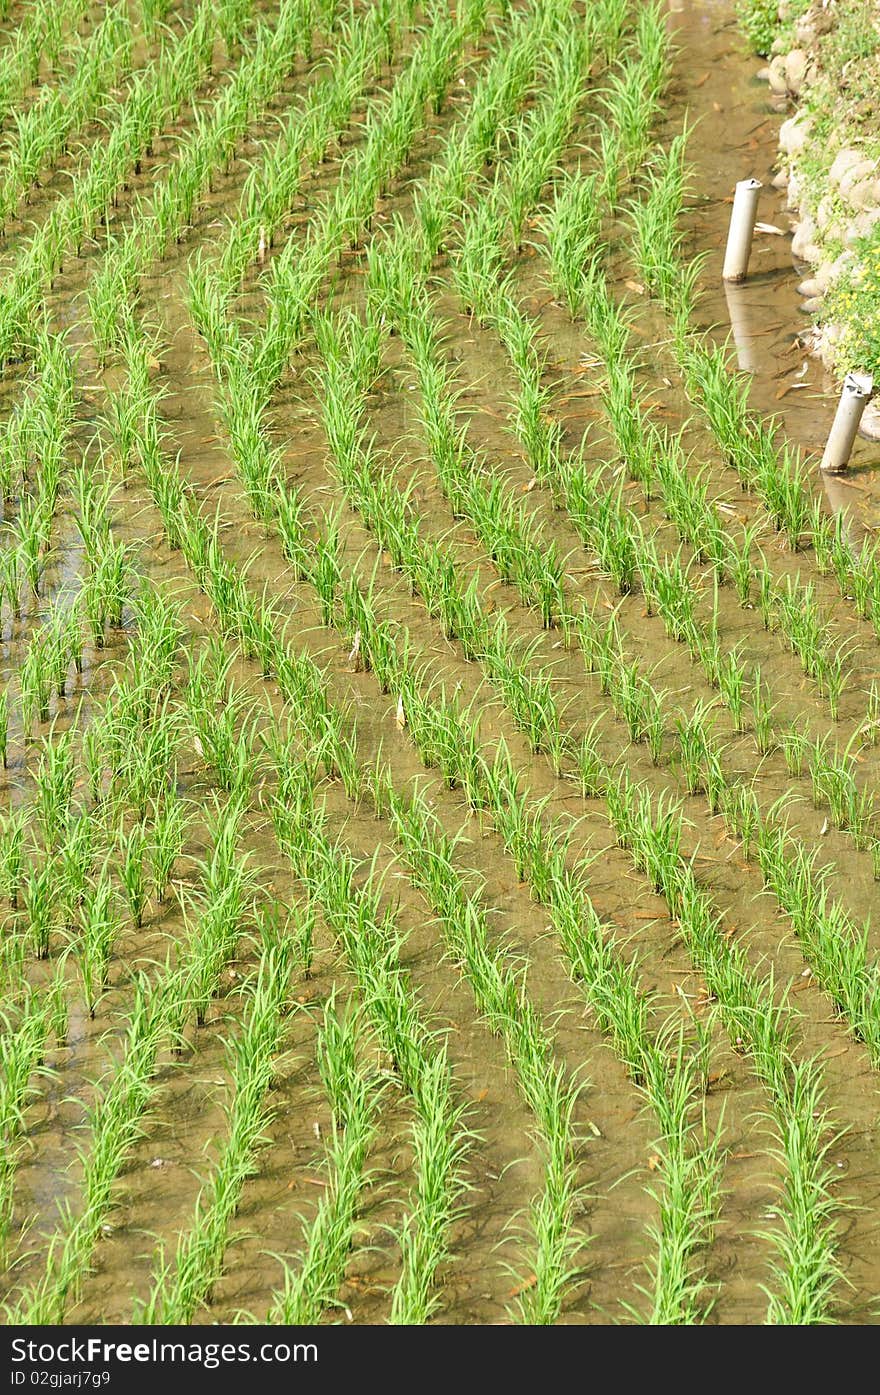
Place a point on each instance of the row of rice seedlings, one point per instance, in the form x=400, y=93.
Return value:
x=34, y=447
x=33, y=437
x=216, y=913
x=834, y=945
x=372, y=941
x=722, y=396
x=100, y=61
x=43, y=36
x=533, y=708
x=363, y=45
x=167, y=84
x=242, y=402
x=183, y=1281
x=114, y=1125
x=808, y=1272
x=529, y=1047
x=356, y=1093
x=135, y=739
x=391, y=127
x=657, y=461
x=670, y=1080
x=271, y=53
x=23, y=1044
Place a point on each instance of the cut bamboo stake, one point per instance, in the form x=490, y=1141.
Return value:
x=742, y=226
x=857, y=390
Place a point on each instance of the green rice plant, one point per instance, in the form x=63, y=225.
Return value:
x=22, y=1052
x=168, y=825
x=871, y=727
x=311, y=1282
x=12, y=831
x=794, y=745
x=732, y=685
x=55, y=778
x=326, y=572
x=38, y=892
x=762, y=713
x=114, y=1123
x=132, y=871
x=808, y=1273
x=76, y=860
x=99, y=927
x=35, y=684
x=694, y=741
x=183, y=1283
x=440, y=1145
x=742, y=816
x=4, y=728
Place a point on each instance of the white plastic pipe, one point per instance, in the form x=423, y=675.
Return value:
x=742, y=227
x=856, y=394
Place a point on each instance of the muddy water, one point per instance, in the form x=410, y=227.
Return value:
x=736, y=122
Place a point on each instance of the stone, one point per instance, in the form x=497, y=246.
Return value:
x=864, y=194
x=811, y=287
x=857, y=174
x=794, y=190
x=780, y=180
x=844, y=161
x=870, y=423
x=776, y=76
x=794, y=133
x=825, y=212
x=804, y=237
x=861, y=225
x=811, y=26
x=796, y=64
x=812, y=305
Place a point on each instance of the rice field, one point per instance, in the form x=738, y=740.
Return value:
x=440, y=712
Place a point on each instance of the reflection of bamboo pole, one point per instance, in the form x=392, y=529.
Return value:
x=857, y=389
x=742, y=227
x=738, y=314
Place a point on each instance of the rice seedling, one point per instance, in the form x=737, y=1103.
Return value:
x=762, y=713
x=183, y=1283
x=98, y=928
x=168, y=828
x=37, y=888
x=12, y=844
x=311, y=1282
x=132, y=871
x=114, y=1124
